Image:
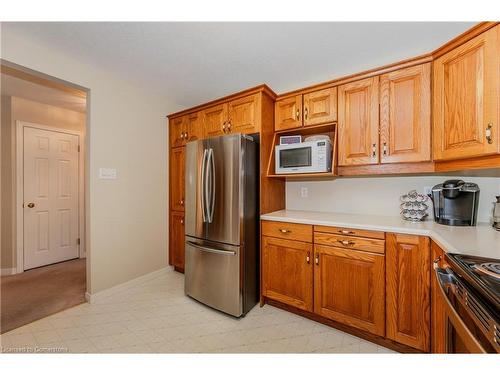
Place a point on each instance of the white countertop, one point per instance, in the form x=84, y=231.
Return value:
x=481, y=240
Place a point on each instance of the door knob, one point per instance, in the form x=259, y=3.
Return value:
x=30, y=205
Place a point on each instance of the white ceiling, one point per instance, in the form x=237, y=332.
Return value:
x=189, y=63
x=12, y=86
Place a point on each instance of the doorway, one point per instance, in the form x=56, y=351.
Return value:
x=44, y=257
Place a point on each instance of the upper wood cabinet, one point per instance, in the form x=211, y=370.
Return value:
x=287, y=272
x=244, y=115
x=405, y=115
x=288, y=113
x=177, y=131
x=320, y=106
x=314, y=108
x=194, y=127
x=349, y=287
x=466, y=99
x=215, y=120
x=408, y=290
x=176, y=168
x=358, y=123
x=176, y=243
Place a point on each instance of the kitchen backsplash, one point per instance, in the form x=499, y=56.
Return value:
x=378, y=196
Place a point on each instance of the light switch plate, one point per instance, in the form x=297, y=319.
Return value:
x=107, y=173
x=304, y=192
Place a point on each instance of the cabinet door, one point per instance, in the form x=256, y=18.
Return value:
x=438, y=315
x=466, y=99
x=194, y=127
x=358, y=123
x=177, y=131
x=244, y=115
x=176, y=248
x=177, y=178
x=408, y=290
x=287, y=272
x=349, y=287
x=405, y=115
x=288, y=113
x=320, y=107
x=215, y=120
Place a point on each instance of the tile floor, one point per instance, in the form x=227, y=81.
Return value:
x=156, y=317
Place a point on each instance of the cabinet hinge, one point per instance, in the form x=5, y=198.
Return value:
x=78, y=148
x=78, y=241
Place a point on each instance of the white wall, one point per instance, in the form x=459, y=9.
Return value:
x=378, y=195
x=127, y=130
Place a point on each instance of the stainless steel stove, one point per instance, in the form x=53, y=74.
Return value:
x=471, y=286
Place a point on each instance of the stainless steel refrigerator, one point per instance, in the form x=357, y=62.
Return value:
x=221, y=222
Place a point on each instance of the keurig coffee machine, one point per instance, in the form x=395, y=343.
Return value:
x=455, y=202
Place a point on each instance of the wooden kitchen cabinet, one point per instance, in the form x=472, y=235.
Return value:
x=408, y=290
x=288, y=113
x=349, y=287
x=358, y=123
x=177, y=131
x=177, y=161
x=405, y=115
x=320, y=107
x=287, y=272
x=244, y=115
x=466, y=99
x=438, y=315
x=177, y=232
x=194, y=127
x=215, y=120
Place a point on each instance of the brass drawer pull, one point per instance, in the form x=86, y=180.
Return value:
x=297, y=114
x=346, y=243
x=306, y=113
x=316, y=259
x=343, y=231
x=308, y=259
x=374, y=150
x=489, y=138
x=285, y=230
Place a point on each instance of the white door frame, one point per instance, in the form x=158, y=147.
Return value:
x=20, y=125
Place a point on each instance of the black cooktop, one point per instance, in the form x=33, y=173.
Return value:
x=482, y=274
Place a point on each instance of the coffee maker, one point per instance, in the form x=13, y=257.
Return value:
x=455, y=203
x=496, y=214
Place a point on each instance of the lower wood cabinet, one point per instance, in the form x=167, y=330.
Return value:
x=287, y=272
x=176, y=169
x=438, y=315
x=176, y=248
x=408, y=290
x=349, y=287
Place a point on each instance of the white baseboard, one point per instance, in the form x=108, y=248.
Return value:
x=8, y=271
x=95, y=297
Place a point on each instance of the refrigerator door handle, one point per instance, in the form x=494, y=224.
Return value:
x=204, y=185
x=212, y=184
x=211, y=250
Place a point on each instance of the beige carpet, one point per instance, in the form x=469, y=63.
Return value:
x=40, y=292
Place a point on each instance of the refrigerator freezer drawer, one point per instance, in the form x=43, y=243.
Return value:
x=212, y=275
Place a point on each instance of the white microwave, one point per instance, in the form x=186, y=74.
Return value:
x=305, y=157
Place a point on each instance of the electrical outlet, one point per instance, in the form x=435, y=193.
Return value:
x=304, y=192
x=427, y=190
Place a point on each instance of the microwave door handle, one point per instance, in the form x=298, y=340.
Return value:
x=211, y=161
x=445, y=281
x=204, y=185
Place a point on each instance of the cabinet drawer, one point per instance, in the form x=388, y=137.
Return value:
x=350, y=232
x=290, y=231
x=350, y=242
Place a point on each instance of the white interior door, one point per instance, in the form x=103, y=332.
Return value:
x=50, y=197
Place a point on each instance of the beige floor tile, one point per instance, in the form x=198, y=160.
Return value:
x=46, y=337
x=82, y=345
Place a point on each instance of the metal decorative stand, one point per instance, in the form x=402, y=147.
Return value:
x=413, y=206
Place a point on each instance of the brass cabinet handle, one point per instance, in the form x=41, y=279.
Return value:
x=182, y=221
x=181, y=202
x=346, y=242
x=229, y=126
x=343, y=231
x=285, y=230
x=316, y=259
x=374, y=150
x=385, y=148
x=182, y=135
x=297, y=114
x=306, y=112
x=30, y=205
x=489, y=138
x=185, y=135
x=308, y=259
x=224, y=127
